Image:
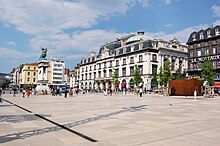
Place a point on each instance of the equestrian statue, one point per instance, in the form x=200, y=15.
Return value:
x=43, y=54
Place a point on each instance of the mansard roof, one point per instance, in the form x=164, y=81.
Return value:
x=204, y=34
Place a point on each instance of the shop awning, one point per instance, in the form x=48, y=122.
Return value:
x=217, y=85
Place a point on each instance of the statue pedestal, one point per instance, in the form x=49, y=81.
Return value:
x=42, y=83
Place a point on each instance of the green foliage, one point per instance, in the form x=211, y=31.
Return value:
x=208, y=71
x=137, y=76
x=179, y=75
x=154, y=81
x=115, y=76
x=160, y=76
x=165, y=75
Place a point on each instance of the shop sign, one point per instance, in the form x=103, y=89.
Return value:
x=194, y=60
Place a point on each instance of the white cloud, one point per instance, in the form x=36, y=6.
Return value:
x=13, y=54
x=11, y=43
x=46, y=16
x=80, y=42
x=216, y=10
x=181, y=35
x=168, y=25
x=217, y=22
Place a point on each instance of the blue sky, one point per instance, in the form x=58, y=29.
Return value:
x=71, y=29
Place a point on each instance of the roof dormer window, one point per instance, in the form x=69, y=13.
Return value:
x=208, y=33
x=216, y=31
x=201, y=35
x=194, y=37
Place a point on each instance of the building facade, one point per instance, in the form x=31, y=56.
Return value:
x=201, y=44
x=28, y=75
x=57, y=72
x=95, y=72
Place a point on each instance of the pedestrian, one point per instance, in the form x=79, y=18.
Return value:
x=14, y=92
x=28, y=92
x=140, y=92
x=124, y=91
x=105, y=92
x=23, y=92
x=66, y=91
x=1, y=100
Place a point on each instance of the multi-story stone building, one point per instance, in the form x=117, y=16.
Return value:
x=123, y=54
x=201, y=44
x=57, y=72
x=28, y=75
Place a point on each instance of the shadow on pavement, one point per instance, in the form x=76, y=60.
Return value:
x=26, y=134
x=20, y=118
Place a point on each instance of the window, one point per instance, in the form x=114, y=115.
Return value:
x=110, y=73
x=104, y=64
x=34, y=68
x=199, y=53
x=216, y=31
x=140, y=58
x=99, y=65
x=90, y=68
x=209, y=33
x=140, y=67
x=110, y=64
x=28, y=79
x=154, y=57
x=82, y=69
x=154, y=69
x=86, y=76
x=94, y=67
x=86, y=69
x=104, y=73
x=34, y=79
x=28, y=73
x=191, y=54
x=207, y=52
x=123, y=71
x=132, y=60
x=131, y=70
x=82, y=77
x=124, y=61
x=99, y=74
x=117, y=62
x=201, y=35
x=28, y=67
x=214, y=50
x=90, y=76
x=174, y=46
x=173, y=65
x=94, y=75
x=121, y=51
x=194, y=37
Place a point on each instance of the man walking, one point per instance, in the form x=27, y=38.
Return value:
x=140, y=92
x=1, y=100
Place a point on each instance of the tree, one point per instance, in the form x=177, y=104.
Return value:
x=115, y=76
x=154, y=81
x=166, y=75
x=137, y=76
x=160, y=76
x=179, y=75
x=208, y=71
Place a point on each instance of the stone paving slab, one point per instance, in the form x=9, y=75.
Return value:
x=111, y=120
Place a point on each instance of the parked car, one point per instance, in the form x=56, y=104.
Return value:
x=64, y=89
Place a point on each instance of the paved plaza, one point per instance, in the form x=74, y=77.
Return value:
x=97, y=120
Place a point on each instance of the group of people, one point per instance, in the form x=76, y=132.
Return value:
x=26, y=92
